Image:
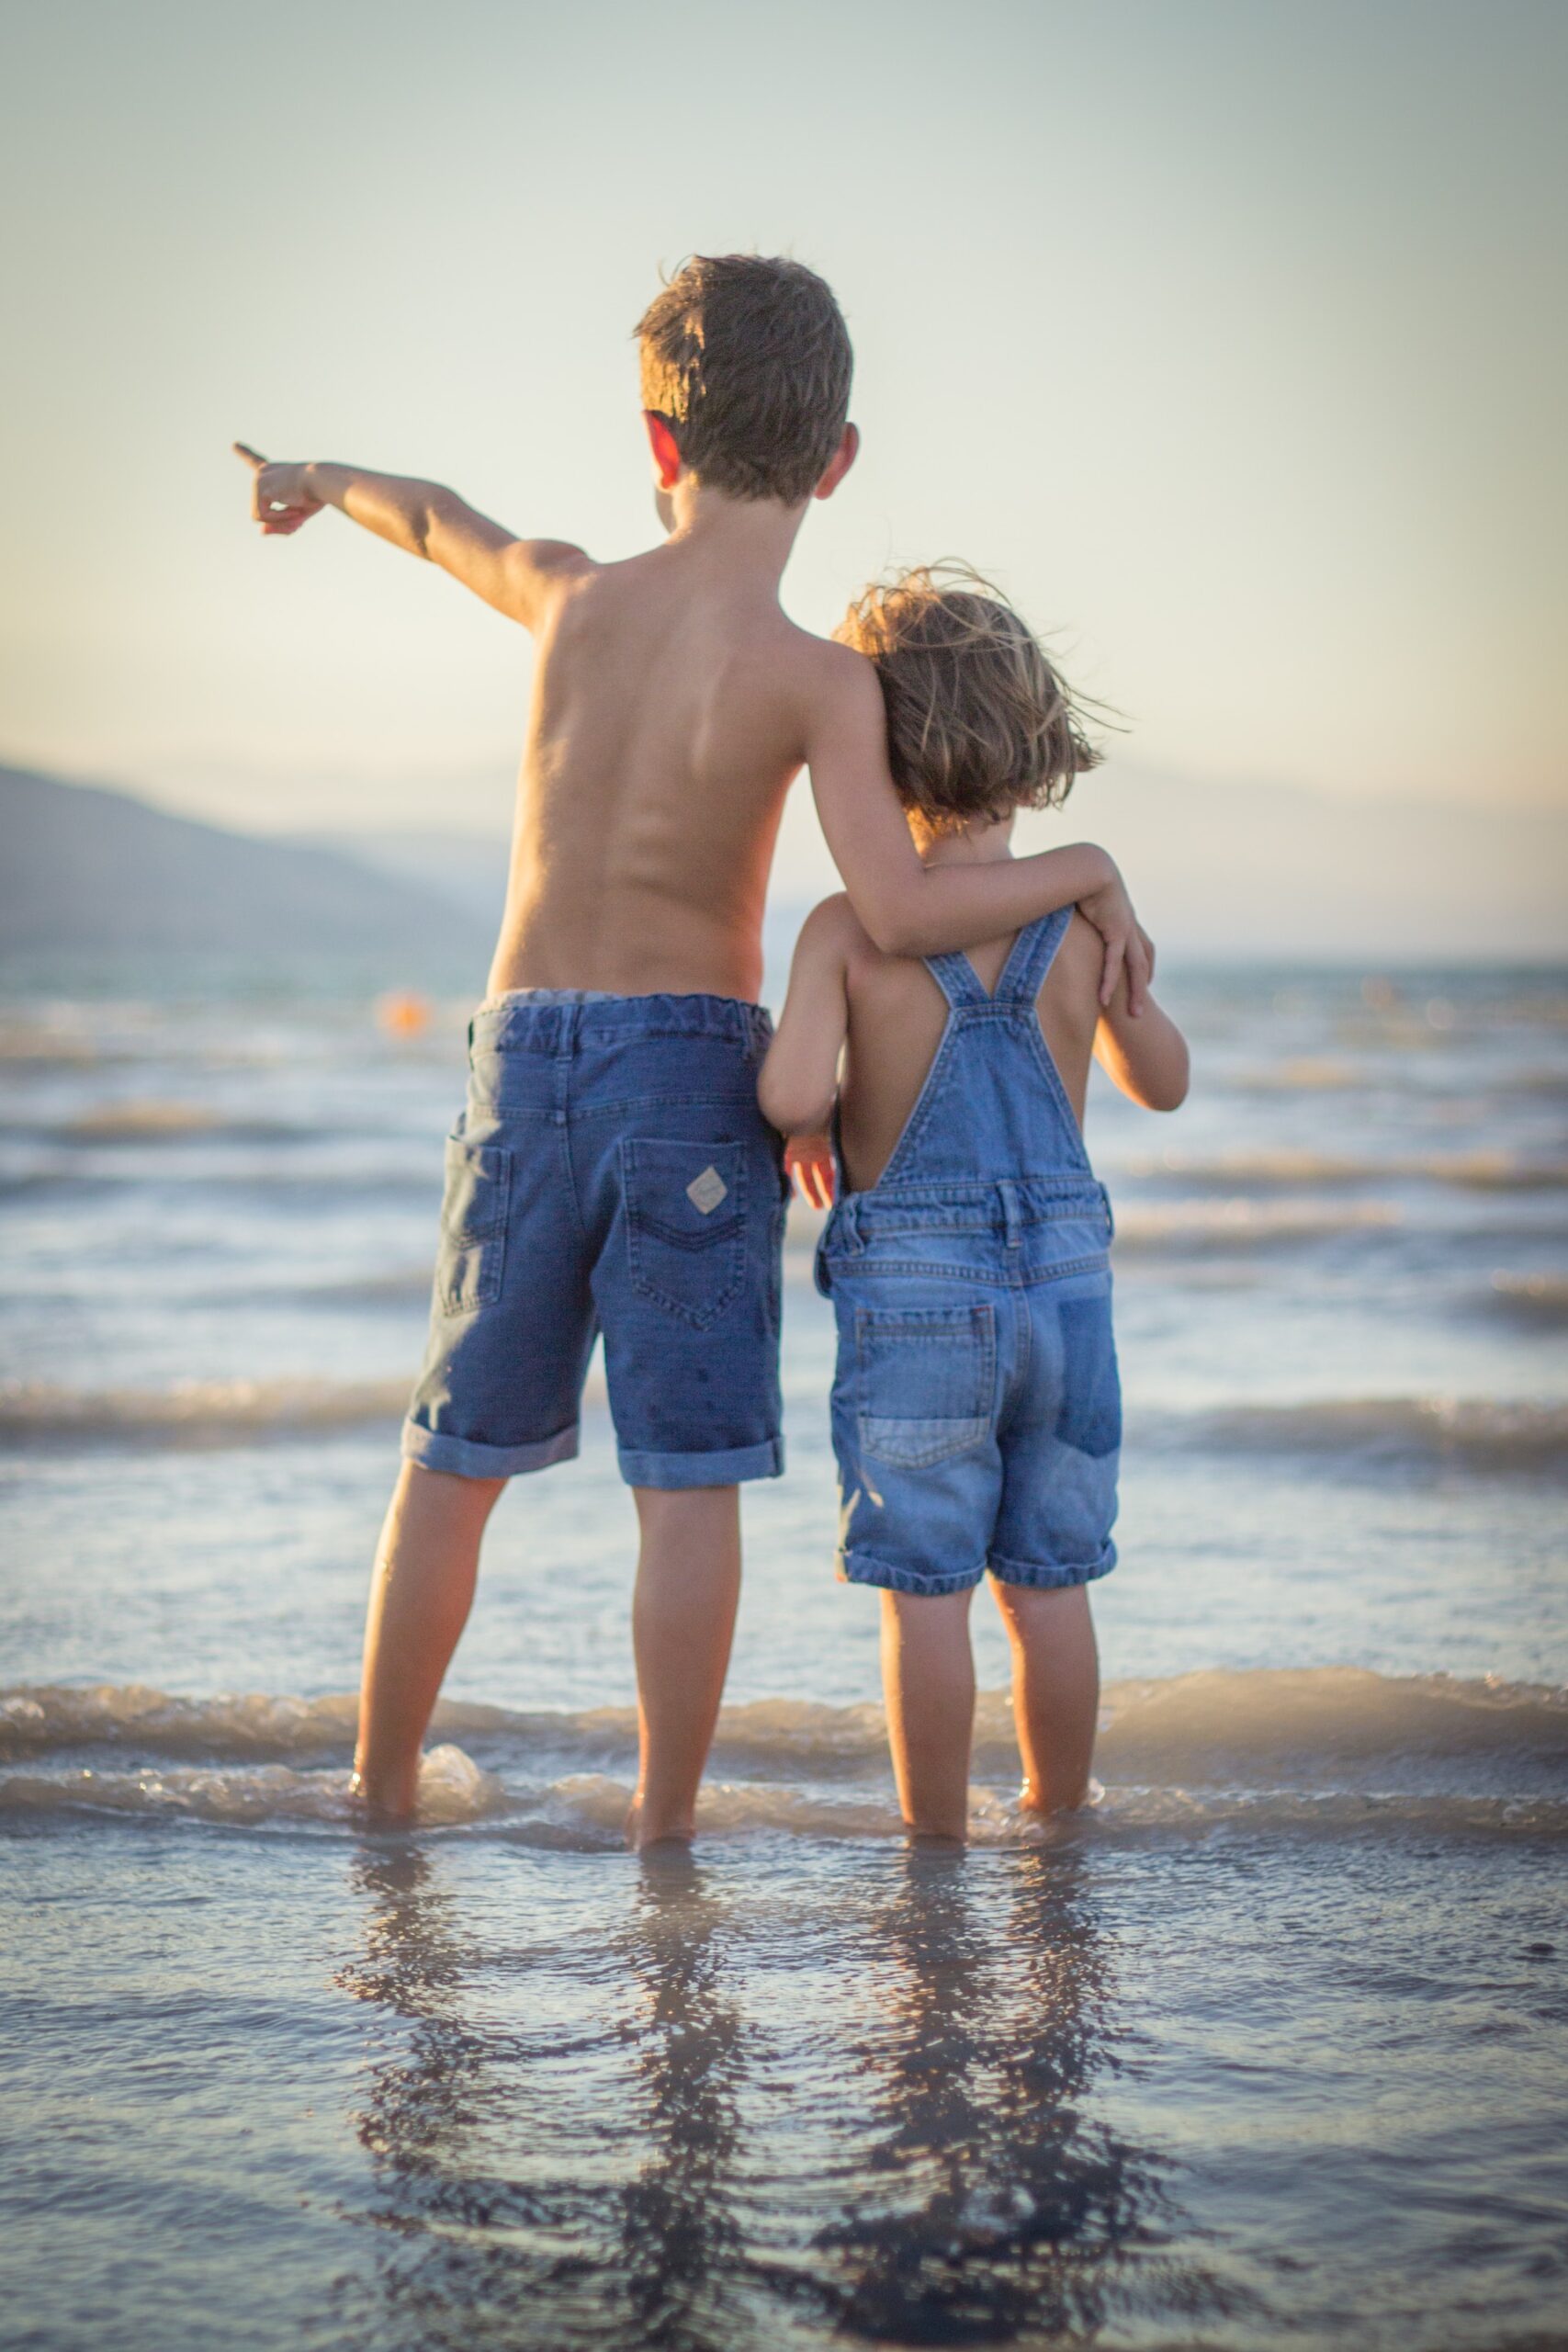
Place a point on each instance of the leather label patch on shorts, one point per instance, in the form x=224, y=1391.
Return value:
x=706, y=1191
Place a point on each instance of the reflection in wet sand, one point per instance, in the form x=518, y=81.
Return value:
x=992, y=2205
x=705, y=2157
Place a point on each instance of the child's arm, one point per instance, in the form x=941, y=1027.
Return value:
x=913, y=909
x=512, y=574
x=1146, y=1057
x=799, y=1076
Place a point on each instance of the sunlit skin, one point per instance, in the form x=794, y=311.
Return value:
x=863, y=1027
x=673, y=705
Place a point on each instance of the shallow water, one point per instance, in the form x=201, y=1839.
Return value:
x=1268, y=2047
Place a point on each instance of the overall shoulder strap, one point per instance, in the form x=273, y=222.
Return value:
x=956, y=977
x=1034, y=951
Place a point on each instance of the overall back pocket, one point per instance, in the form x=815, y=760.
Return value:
x=926, y=1381
x=473, y=1226
x=685, y=1224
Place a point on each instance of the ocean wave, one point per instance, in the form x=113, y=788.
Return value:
x=1490, y=1171
x=195, y=1412
x=154, y=1120
x=1537, y=1299
x=1336, y=1746
x=586, y=1813
x=1484, y=1433
x=1197, y=1226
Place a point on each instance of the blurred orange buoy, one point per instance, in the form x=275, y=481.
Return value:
x=403, y=1012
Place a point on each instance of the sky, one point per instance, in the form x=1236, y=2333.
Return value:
x=1226, y=336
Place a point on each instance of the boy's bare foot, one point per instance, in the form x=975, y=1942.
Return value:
x=644, y=1836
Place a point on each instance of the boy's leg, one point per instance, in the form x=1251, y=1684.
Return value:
x=928, y=1681
x=1055, y=1690
x=421, y=1594
x=688, y=1587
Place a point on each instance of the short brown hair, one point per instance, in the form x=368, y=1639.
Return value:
x=747, y=359
x=979, y=721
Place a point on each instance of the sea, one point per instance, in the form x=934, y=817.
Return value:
x=1268, y=2047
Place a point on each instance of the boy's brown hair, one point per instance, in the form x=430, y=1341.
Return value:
x=979, y=721
x=747, y=359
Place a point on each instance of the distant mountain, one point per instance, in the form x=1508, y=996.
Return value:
x=84, y=868
x=467, y=869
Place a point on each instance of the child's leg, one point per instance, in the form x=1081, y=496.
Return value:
x=1055, y=1690
x=688, y=1586
x=928, y=1682
x=421, y=1594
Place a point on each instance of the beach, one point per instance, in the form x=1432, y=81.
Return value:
x=1263, y=2048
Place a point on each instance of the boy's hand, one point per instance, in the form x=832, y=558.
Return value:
x=280, y=499
x=1127, y=944
x=810, y=1160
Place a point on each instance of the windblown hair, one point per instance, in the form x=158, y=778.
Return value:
x=979, y=721
x=747, y=359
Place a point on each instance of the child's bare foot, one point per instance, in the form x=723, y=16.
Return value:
x=1048, y=1806
x=372, y=1809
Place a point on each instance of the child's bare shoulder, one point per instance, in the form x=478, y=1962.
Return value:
x=833, y=933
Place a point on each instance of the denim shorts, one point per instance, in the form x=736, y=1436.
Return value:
x=976, y=1403
x=610, y=1172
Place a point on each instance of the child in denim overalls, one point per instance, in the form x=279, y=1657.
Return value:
x=976, y=1409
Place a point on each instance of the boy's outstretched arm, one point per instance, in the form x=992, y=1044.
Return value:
x=512, y=574
x=913, y=909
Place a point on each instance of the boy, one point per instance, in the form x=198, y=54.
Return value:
x=976, y=1412
x=612, y=1169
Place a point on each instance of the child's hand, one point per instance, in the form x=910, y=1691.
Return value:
x=280, y=502
x=810, y=1160
x=1127, y=944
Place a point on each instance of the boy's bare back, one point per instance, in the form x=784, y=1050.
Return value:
x=670, y=713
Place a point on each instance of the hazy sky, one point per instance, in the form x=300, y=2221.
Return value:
x=1229, y=337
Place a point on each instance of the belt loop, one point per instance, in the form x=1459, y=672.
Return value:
x=849, y=1212
x=1110, y=1212
x=569, y=1015
x=1009, y=1191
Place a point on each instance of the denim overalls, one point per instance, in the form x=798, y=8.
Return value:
x=976, y=1407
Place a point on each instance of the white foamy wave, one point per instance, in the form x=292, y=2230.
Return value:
x=195, y=1412
x=587, y=1812
x=787, y=1764
x=452, y=1789
x=1481, y=1433
x=1242, y=1224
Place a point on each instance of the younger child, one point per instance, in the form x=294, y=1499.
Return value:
x=976, y=1410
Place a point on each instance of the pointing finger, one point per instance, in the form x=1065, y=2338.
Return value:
x=252, y=456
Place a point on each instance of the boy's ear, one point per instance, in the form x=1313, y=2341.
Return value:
x=661, y=441
x=844, y=457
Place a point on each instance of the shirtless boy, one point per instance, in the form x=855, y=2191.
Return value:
x=612, y=1170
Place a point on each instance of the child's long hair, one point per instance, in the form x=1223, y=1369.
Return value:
x=979, y=721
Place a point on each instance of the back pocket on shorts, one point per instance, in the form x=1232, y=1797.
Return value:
x=685, y=1224
x=473, y=1226
x=925, y=1382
